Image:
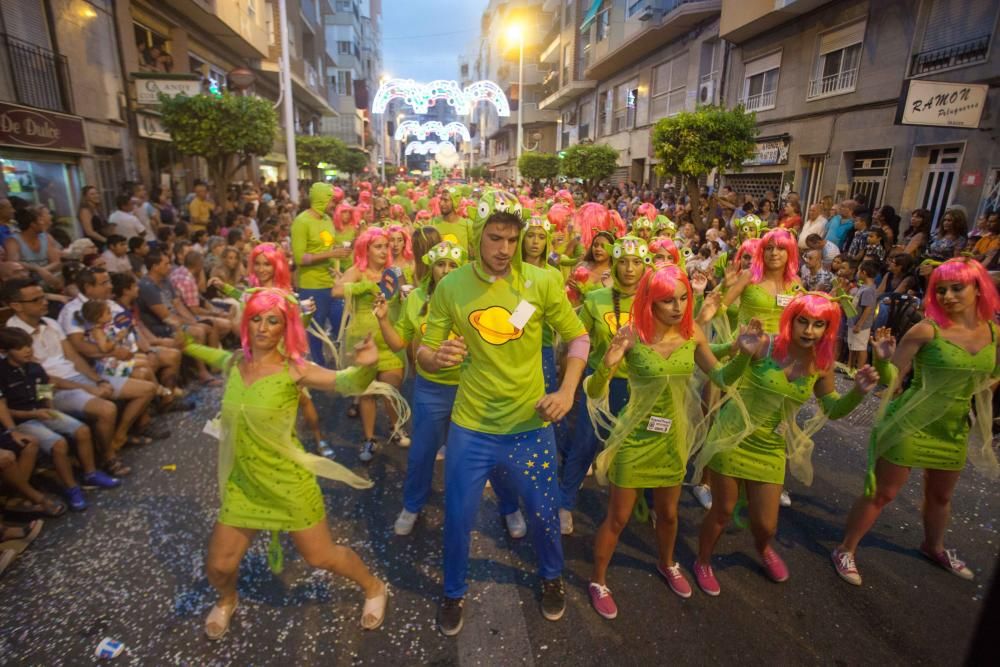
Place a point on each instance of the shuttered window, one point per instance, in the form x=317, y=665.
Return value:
x=25, y=20
x=950, y=22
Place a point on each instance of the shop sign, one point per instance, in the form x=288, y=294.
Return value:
x=147, y=91
x=26, y=127
x=770, y=151
x=941, y=104
x=151, y=127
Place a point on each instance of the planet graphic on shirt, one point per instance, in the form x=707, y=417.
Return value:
x=493, y=324
x=623, y=320
x=326, y=238
x=450, y=238
x=423, y=331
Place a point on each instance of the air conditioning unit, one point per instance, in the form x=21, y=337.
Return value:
x=645, y=14
x=706, y=92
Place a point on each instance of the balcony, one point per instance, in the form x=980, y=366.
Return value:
x=531, y=113
x=760, y=101
x=309, y=12
x=567, y=93
x=745, y=19
x=37, y=77
x=968, y=52
x=230, y=23
x=835, y=84
x=669, y=20
x=552, y=52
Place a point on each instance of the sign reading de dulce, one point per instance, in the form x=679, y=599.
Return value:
x=25, y=127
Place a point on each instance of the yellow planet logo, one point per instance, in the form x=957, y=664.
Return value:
x=493, y=324
x=450, y=238
x=326, y=237
x=623, y=320
x=423, y=332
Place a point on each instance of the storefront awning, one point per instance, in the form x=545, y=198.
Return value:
x=591, y=15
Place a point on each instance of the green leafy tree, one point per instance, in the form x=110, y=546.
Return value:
x=477, y=173
x=226, y=130
x=310, y=151
x=692, y=143
x=352, y=161
x=538, y=166
x=590, y=162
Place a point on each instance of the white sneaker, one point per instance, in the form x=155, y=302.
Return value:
x=367, y=451
x=703, y=494
x=785, y=500
x=404, y=522
x=440, y=455
x=565, y=521
x=401, y=438
x=516, y=526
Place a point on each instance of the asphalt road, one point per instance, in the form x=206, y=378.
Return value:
x=131, y=568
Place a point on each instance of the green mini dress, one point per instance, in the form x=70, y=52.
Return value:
x=927, y=426
x=757, y=302
x=363, y=322
x=649, y=459
x=265, y=490
x=768, y=398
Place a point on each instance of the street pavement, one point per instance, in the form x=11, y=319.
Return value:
x=131, y=568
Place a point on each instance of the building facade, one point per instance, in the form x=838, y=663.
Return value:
x=830, y=82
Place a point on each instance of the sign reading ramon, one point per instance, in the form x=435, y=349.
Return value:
x=941, y=104
x=25, y=127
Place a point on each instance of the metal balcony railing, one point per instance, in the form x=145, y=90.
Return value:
x=40, y=77
x=764, y=100
x=835, y=83
x=963, y=53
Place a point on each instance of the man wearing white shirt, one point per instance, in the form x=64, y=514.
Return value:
x=828, y=248
x=116, y=256
x=815, y=224
x=125, y=222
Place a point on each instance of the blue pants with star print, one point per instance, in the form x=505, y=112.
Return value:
x=528, y=461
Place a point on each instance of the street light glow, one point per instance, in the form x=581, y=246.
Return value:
x=514, y=33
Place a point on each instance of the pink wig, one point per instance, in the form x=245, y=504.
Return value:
x=968, y=272
x=658, y=285
x=365, y=186
x=365, y=197
x=816, y=306
x=463, y=207
x=397, y=213
x=548, y=192
x=663, y=244
x=559, y=215
x=362, y=243
x=648, y=210
x=590, y=219
x=423, y=216
x=338, y=212
x=407, y=244
x=435, y=205
x=783, y=239
x=362, y=213
x=338, y=195
x=526, y=202
x=269, y=299
x=275, y=256
x=618, y=225
x=748, y=247
x=564, y=197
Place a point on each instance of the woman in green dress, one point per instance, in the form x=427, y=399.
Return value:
x=756, y=429
x=650, y=439
x=266, y=479
x=359, y=286
x=955, y=360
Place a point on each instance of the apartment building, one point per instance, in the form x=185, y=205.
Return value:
x=497, y=60
x=894, y=101
x=62, y=121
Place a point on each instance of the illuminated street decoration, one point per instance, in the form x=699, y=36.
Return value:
x=425, y=147
x=421, y=96
x=421, y=131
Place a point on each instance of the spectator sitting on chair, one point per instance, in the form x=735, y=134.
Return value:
x=137, y=251
x=116, y=258
x=18, y=454
x=20, y=381
x=188, y=280
x=125, y=222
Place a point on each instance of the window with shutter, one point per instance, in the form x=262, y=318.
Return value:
x=955, y=35
x=760, y=82
x=25, y=20
x=838, y=61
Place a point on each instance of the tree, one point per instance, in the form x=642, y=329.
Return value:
x=352, y=161
x=227, y=130
x=590, y=162
x=538, y=166
x=310, y=151
x=692, y=143
x=476, y=173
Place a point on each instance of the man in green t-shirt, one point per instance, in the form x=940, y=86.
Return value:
x=452, y=227
x=313, y=250
x=499, y=306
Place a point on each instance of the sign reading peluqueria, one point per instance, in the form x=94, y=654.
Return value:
x=27, y=127
x=941, y=104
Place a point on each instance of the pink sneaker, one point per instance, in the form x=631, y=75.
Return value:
x=604, y=604
x=706, y=579
x=774, y=566
x=843, y=562
x=675, y=579
x=949, y=560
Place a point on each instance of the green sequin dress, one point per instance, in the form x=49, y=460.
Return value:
x=769, y=398
x=649, y=459
x=265, y=490
x=927, y=426
x=755, y=301
x=363, y=322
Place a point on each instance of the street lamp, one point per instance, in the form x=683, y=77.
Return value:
x=514, y=32
x=383, y=138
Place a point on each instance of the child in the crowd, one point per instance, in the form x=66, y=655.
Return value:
x=859, y=327
x=875, y=245
x=95, y=317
